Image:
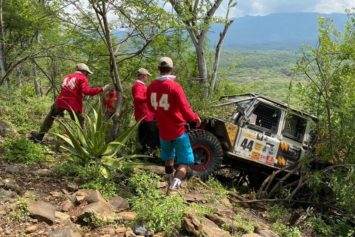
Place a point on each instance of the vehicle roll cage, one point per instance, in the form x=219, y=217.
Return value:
x=233, y=99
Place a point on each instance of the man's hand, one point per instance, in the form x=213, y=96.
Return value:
x=198, y=123
x=106, y=87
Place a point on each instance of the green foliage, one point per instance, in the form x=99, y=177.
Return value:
x=158, y=212
x=277, y=212
x=20, y=211
x=93, y=158
x=329, y=70
x=267, y=72
x=319, y=226
x=91, y=176
x=201, y=209
x=91, y=144
x=286, y=231
x=243, y=225
x=22, y=150
x=22, y=109
x=329, y=94
x=218, y=192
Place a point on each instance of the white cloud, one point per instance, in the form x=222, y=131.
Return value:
x=265, y=7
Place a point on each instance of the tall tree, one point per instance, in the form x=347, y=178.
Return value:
x=21, y=23
x=139, y=18
x=197, y=17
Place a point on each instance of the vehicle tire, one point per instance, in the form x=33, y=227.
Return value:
x=207, y=151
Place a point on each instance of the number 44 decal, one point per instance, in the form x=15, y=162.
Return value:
x=247, y=145
x=163, y=102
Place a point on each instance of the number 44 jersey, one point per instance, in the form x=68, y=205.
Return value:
x=172, y=110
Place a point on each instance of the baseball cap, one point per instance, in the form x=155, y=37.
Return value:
x=166, y=62
x=83, y=67
x=143, y=71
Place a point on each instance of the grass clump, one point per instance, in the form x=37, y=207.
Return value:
x=21, y=150
x=20, y=212
x=157, y=211
x=90, y=175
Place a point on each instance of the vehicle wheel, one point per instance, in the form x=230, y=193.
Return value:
x=207, y=151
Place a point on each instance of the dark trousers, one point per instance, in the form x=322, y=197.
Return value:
x=53, y=113
x=148, y=135
x=115, y=126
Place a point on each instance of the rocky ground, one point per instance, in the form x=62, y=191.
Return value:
x=59, y=208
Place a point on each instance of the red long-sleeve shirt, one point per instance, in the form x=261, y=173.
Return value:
x=73, y=88
x=172, y=109
x=110, y=101
x=141, y=110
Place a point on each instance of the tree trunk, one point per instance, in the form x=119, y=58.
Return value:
x=113, y=66
x=2, y=42
x=36, y=82
x=202, y=67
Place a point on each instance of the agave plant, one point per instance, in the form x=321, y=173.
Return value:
x=90, y=144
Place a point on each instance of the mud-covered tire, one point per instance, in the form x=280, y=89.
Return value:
x=207, y=151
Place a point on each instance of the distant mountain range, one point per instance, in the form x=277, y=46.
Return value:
x=275, y=31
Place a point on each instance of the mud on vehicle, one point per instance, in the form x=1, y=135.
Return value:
x=261, y=136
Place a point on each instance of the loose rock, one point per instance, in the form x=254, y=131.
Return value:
x=43, y=172
x=210, y=229
x=101, y=210
x=67, y=231
x=192, y=224
x=67, y=205
x=251, y=235
x=120, y=230
x=62, y=217
x=128, y=216
x=42, y=211
x=265, y=233
x=119, y=204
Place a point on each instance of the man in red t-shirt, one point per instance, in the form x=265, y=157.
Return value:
x=172, y=110
x=70, y=99
x=147, y=131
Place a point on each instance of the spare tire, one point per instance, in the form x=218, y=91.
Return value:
x=207, y=151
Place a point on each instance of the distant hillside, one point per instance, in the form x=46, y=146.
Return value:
x=275, y=31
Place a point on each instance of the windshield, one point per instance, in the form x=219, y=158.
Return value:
x=295, y=127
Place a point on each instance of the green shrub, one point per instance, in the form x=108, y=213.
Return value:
x=90, y=175
x=22, y=150
x=22, y=109
x=19, y=212
x=91, y=144
x=243, y=225
x=277, y=213
x=157, y=211
x=319, y=226
x=286, y=231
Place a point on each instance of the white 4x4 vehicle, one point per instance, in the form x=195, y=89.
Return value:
x=261, y=136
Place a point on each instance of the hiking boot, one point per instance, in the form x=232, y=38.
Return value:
x=174, y=187
x=36, y=137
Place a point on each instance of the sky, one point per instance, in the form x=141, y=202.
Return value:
x=266, y=7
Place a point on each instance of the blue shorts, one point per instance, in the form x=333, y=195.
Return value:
x=181, y=146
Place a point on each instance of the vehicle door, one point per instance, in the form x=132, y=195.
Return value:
x=259, y=139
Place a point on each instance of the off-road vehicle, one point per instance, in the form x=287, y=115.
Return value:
x=262, y=135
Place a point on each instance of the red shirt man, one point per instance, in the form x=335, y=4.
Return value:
x=139, y=91
x=110, y=100
x=69, y=99
x=73, y=88
x=147, y=130
x=172, y=110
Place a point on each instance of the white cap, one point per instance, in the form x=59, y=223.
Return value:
x=143, y=71
x=166, y=62
x=83, y=67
